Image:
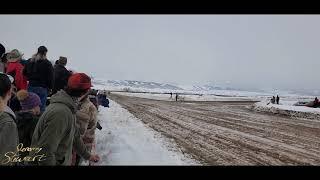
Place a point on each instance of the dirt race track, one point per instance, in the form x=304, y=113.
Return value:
x=228, y=133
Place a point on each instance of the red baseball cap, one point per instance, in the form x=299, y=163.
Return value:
x=79, y=81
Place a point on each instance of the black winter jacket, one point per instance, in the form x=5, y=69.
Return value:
x=39, y=73
x=61, y=76
x=26, y=123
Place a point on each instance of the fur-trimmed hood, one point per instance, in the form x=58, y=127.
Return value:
x=37, y=57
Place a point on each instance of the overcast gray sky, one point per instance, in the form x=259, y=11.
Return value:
x=256, y=51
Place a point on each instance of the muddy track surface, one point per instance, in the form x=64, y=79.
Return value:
x=228, y=133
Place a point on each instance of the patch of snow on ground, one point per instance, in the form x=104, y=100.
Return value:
x=296, y=111
x=125, y=140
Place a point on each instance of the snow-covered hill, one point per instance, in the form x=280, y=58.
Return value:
x=135, y=84
x=209, y=88
x=116, y=84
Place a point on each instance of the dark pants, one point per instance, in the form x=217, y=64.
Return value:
x=78, y=158
x=42, y=93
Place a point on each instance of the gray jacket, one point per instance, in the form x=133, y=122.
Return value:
x=9, y=138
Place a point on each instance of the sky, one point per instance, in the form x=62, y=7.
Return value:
x=245, y=51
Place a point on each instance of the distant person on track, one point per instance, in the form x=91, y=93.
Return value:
x=316, y=102
x=273, y=100
x=177, y=97
x=277, y=99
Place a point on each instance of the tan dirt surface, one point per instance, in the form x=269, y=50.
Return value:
x=229, y=133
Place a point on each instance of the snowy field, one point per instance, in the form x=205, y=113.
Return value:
x=125, y=140
x=285, y=100
x=167, y=97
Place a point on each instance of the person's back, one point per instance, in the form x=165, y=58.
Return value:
x=26, y=123
x=86, y=122
x=61, y=75
x=56, y=131
x=273, y=100
x=39, y=72
x=102, y=100
x=15, y=68
x=54, y=128
x=316, y=102
x=27, y=117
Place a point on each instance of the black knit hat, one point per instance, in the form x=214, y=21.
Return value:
x=42, y=50
x=2, y=50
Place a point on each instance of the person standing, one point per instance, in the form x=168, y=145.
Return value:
x=39, y=72
x=273, y=100
x=277, y=99
x=8, y=130
x=177, y=97
x=56, y=132
x=61, y=75
x=316, y=102
x=27, y=117
x=87, y=123
x=15, y=68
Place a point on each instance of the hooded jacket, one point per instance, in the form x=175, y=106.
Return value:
x=56, y=132
x=8, y=134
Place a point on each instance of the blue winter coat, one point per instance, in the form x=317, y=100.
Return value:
x=103, y=101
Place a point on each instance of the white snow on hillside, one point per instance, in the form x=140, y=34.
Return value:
x=125, y=140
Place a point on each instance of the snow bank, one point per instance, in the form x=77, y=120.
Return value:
x=125, y=140
x=294, y=111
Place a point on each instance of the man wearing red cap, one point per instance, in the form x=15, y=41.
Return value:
x=56, y=132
